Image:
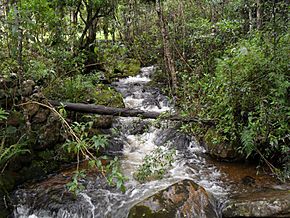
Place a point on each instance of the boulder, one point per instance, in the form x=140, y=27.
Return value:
x=182, y=199
x=265, y=203
x=224, y=151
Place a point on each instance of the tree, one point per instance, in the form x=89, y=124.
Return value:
x=168, y=58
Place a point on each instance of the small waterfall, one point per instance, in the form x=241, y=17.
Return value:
x=140, y=137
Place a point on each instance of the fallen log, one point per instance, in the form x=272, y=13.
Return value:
x=124, y=112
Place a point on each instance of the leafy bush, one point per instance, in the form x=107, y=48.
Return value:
x=155, y=164
x=85, y=147
x=84, y=88
x=247, y=97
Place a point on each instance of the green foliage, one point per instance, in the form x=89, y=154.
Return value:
x=84, y=88
x=76, y=89
x=155, y=164
x=115, y=177
x=114, y=58
x=3, y=114
x=247, y=98
x=85, y=142
x=89, y=148
x=6, y=153
x=75, y=187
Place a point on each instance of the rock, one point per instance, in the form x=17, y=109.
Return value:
x=41, y=115
x=31, y=109
x=220, y=150
x=182, y=199
x=115, y=147
x=139, y=128
x=265, y=203
x=103, y=122
x=178, y=140
x=49, y=134
x=28, y=87
x=248, y=180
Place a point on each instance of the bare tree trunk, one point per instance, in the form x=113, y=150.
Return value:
x=250, y=19
x=259, y=14
x=124, y=112
x=168, y=59
x=19, y=42
x=129, y=22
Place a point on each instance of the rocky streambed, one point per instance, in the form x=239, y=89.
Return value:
x=194, y=186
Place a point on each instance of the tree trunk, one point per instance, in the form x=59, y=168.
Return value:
x=259, y=14
x=19, y=39
x=250, y=19
x=123, y=112
x=168, y=59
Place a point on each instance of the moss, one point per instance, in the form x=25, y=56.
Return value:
x=129, y=67
x=123, y=68
x=105, y=95
x=146, y=212
x=220, y=149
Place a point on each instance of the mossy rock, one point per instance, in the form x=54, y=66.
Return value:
x=129, y=67
x=182, y=199
x=219, y=149
x=264, y=203
x=123, y=68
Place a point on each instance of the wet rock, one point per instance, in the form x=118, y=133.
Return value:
x=265, y=203
x=172, y=136
x=182, y=199
x=103, y=122
x=220, y=150
x=248, y=180
x=138, y=128
x=115, y=147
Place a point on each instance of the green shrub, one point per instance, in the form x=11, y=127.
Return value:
x=155, y=164
x=247, y=98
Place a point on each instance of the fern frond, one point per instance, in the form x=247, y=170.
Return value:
x=248, y=143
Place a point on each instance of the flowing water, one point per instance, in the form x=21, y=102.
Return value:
x=140, y=137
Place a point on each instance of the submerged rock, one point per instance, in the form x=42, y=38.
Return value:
x=182, y=199
x=266, y=203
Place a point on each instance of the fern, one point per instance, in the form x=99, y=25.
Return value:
x=3, y=114
x=7, y=153
x=248, y=143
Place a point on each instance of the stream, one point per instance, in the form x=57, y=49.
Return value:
x=139, y=137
